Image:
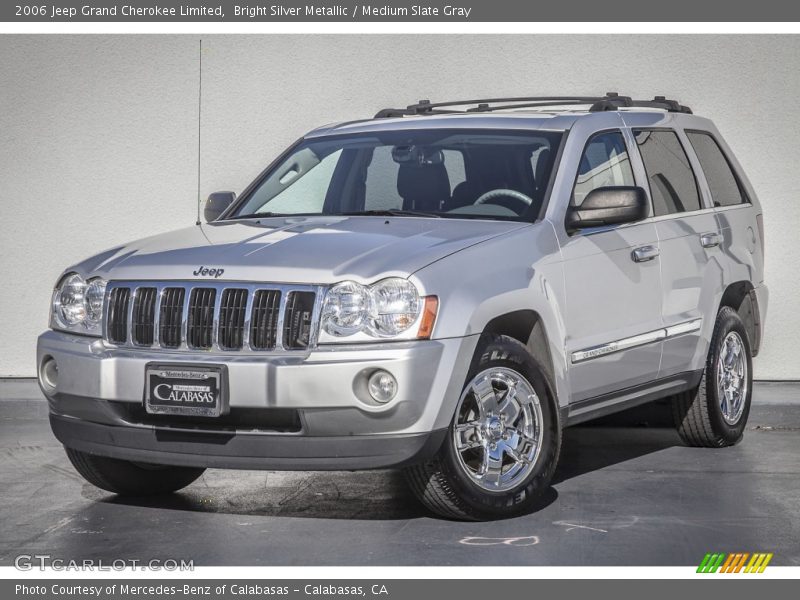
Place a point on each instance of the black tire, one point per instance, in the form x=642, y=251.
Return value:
x=697, y=413
x=131, y=479
x=442, y=485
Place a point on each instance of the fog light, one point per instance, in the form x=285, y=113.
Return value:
x=382, y=386
x=49, y=373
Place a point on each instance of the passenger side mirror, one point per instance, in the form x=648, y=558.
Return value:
x=608, y=206
x=216, y=204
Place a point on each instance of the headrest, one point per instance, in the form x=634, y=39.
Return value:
x=423, y=187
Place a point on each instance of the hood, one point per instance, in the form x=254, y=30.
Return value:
x=319, y=250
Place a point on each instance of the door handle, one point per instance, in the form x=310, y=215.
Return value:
x=644, y=253
x=709, y=240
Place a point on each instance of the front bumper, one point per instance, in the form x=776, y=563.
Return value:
x=237, y=450
x=323, y=421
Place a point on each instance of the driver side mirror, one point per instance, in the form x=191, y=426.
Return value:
x=608, y=206
x=216, y=204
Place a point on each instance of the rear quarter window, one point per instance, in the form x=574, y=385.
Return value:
x=722, y=181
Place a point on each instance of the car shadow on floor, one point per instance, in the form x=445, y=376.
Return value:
x=383, y=495
x=588, y=449
x=366, y=495
x=616, y=439
x=398, y=506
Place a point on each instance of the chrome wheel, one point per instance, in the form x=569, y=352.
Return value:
x=498, y=429
x=732, y=378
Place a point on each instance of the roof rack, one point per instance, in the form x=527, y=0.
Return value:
x=611, y=101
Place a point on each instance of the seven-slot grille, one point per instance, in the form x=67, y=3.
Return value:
x=212, y=316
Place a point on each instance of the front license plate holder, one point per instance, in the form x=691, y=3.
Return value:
x=188, y=390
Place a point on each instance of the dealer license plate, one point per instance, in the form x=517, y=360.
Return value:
x=183, y=390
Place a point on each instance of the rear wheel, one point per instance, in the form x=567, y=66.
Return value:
x=503, y=443
x=715, y=413
x=129, y=478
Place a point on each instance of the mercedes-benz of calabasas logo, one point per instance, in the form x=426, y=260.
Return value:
x=190, y=394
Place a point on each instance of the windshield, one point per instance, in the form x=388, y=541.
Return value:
x=435, y=173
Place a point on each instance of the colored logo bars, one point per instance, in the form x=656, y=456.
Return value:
x=738, y=562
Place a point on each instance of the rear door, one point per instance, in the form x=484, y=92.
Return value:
x=689, y=239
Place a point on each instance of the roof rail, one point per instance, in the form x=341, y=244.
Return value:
x=611, y=101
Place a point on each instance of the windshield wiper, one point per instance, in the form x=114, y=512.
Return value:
x=254, y=216
x=388, y=212
x=266, y=215
x=392, y=212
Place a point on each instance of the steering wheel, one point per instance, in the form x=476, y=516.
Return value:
x=503, y=193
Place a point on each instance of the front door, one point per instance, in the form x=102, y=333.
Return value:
x=612, y=287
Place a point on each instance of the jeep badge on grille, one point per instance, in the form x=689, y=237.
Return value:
x=203, y=271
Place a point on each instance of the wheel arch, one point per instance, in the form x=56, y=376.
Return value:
x=527, y=327
x=741, y=297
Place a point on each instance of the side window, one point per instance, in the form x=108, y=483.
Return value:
x=725, y=188
x=672, y=183
x=604, y=163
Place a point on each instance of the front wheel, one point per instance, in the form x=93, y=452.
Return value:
x=129, y=478
x=503, y=443
x=715, y=413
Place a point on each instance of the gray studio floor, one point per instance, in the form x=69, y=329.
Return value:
x=624, y=494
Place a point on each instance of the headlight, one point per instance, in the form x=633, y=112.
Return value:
x=94, y=297
x=346, y=308
x=389, y=308
x=69, y=305
x=78, y=305
x=395, y=307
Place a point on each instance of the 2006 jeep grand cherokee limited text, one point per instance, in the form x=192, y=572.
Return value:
x=442, y=288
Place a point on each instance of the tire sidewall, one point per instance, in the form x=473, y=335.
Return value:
x=129, y=478
x=727, y=321
x=495, y=351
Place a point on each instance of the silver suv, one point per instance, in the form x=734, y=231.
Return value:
x=441, y=288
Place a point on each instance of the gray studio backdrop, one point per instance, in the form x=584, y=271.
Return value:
x=98, y=134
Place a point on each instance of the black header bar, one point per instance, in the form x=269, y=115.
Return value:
x=396, y=11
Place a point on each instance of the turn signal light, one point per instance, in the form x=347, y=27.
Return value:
x=429, y=311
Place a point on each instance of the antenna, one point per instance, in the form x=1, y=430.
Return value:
x=199, y=130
